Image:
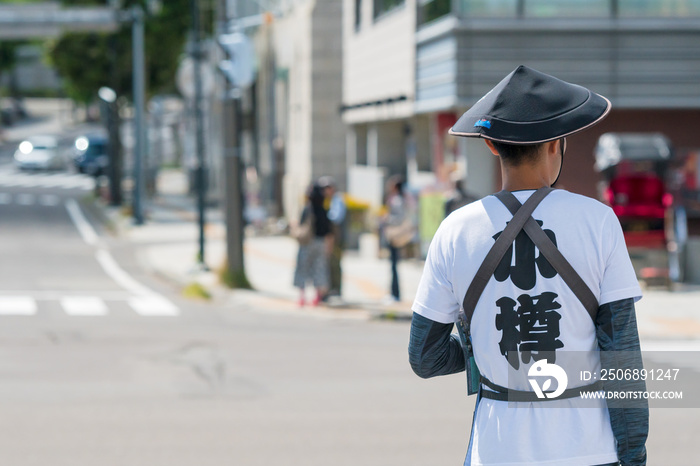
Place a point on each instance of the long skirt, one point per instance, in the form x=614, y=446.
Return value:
x=312, y=265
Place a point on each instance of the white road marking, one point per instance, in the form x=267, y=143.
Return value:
x=10, y=177
x=51, y=181
x=153, y=306
x=5, y=198
x=27, y=183
x=49, y=200
x=146, y=302
x=54, y=295
x=17, y=306
x=84, y=306
x=24, y=303
x=25, y=199
x=118, y=274
x=76, y=182
x=10, y=183
x=81, y=223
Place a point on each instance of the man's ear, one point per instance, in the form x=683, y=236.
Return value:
x=491, y=147
x=553, y=147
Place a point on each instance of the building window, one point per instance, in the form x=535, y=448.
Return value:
x=383, y=6
x=658, y=9
x=568, y=9
x=433, y=9
x=573, y=8
x=358, y=14
x=488, y=8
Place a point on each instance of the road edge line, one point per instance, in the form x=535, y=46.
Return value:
x=87, y=232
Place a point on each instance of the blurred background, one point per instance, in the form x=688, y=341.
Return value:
x=155, y=160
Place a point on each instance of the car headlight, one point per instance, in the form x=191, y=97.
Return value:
x=26, y=147
x=82, y=143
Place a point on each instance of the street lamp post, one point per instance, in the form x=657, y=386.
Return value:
x=109, y=97
x=199, y=127
x=139, y=83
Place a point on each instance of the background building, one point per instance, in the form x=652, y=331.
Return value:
x=299, y=132
x=437, y=57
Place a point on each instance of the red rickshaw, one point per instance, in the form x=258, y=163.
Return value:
x=636, y=170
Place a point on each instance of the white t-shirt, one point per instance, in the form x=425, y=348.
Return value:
x=526, y=306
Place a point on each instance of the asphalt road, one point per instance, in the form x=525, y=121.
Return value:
x=102, y=364
x=90, y=380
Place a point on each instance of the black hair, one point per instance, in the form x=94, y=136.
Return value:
x=316, y=195
x=517, y=154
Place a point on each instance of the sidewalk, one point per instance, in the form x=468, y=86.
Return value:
x=269, y=264
x=168, y=247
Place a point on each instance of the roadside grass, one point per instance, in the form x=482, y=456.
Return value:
x=196, y=290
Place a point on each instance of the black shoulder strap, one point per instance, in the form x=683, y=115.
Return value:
x=553, y=255
x=494, y=256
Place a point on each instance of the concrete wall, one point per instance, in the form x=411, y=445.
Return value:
x=315, y=136
x=328, y=130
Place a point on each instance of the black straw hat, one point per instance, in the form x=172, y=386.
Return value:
x=530, y=107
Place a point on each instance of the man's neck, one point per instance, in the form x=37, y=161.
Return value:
x=524, y=176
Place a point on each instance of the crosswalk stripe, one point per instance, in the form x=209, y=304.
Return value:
x=11, y=183
x=25, y=199
x=17, y=306
x=153, y=306
x=49, y=200
x=53, y=180
x=84, y=306
x=46, y=180
x=26, y=182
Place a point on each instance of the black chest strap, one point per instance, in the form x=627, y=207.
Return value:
x=555, y=258
x=522, y=219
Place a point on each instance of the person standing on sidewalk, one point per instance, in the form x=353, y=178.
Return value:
x=398, y=228
x=518, y=312
x=312, y=258
x=336, y=214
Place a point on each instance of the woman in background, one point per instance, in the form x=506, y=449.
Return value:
x=312, y=259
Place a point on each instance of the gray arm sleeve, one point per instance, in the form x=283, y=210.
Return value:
x=432, y=350
x=618, y=339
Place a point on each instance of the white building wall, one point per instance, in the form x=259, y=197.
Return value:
x=379, y=61
x=298, y=155
x=311, y=49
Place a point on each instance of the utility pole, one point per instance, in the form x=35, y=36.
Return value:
x=139, y=83
x=232, y=119
x=199, y=128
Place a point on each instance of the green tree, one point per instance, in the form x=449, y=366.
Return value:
x=88, y=61
x=7, y=56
